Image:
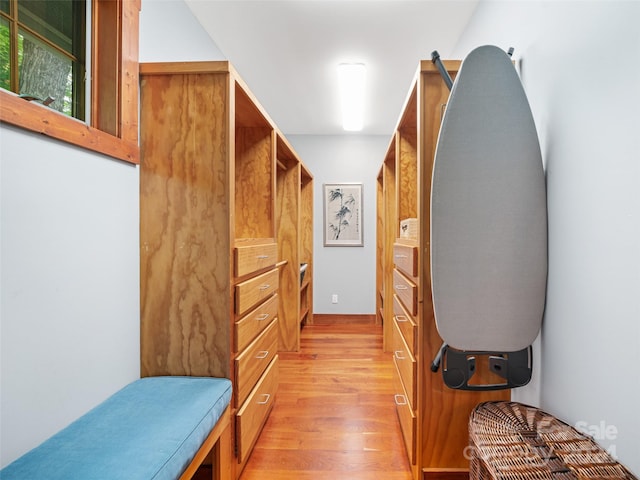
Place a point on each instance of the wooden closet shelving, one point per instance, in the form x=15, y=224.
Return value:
x=306, y=245
x=222, y=232
x=386, y=234
x=294, y=209
x=433, y=418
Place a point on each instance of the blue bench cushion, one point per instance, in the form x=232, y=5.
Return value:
x=151, y=429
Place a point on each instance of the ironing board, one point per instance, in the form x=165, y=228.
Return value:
x=488, y=221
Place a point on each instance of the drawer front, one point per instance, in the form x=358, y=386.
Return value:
x=406, y=364
x=253, y=361
x=251, y=292
x=406, y=324
x=405, y=258
x=249, y=326
x=407, y=291
x=406, y=417
x=252, y=258
x=253, y=414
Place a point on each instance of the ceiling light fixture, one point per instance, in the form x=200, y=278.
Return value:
x=351, y=82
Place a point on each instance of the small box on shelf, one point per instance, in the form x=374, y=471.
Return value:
x=409, y=228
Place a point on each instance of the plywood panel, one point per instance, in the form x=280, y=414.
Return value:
x=184, y=214
x=391, y=229
x=306, y=245
x=254, y=182
x=288, y=223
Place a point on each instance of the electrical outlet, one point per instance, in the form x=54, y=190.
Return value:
x=334, y=298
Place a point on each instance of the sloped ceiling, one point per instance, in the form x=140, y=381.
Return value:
x=288, y=51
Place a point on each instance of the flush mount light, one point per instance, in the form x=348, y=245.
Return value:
x=351, y=83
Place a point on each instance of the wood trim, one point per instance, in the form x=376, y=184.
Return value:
x=445, y=474
x=429, y=66
x=129, y=74
x=106, y=24
x=37, y=118
x=122, y=145
x=172, y=68
x=217, y=443
x=332, y=319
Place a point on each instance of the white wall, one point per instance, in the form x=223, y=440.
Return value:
x=170, y=33
x=70, y=274
x=580, y=64
x=348, y=272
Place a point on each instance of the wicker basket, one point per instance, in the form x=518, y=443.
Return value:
x=513, y=441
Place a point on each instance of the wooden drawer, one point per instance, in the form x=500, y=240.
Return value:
x=251, y=417
x=251, y=292
x=406, y=324
x=252, y=258
x=405, y=258
x=407, y=291
x=249, y=326
x=253, y=361
x=406, y=364
x=406, y=417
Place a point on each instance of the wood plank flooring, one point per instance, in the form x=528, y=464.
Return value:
x=334, y=416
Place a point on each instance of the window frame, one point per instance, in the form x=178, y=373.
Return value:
x=113, y=127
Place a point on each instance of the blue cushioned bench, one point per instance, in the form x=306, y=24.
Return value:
x=154, y=428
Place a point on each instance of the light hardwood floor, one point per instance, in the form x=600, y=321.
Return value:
x=334, y=416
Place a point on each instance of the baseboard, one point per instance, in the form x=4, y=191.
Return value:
x=445, y=474
x=332, y=319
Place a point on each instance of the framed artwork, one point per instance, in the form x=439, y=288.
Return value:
x=343, y=215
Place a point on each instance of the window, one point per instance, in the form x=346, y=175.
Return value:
x=55, y=30
x=45, y=36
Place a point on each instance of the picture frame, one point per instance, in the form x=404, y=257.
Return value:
x=343, y=217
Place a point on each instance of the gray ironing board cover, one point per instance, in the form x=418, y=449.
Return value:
x=488, y=211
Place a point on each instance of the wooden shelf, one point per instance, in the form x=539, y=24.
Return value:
x=294, y=187
x=434, y=423
x=221, y=236
x=303, y=315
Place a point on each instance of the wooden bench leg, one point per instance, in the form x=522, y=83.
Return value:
x=221, y=455
x=216, y=446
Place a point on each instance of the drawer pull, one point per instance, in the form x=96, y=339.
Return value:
x=262, y=317
x=262, y=354
x=401, y=318
x=262, y=257
x=398, y=354
x=264, y=287
x=266, y=400
x=400, y=399
x=401, y=287
x=400, y=256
